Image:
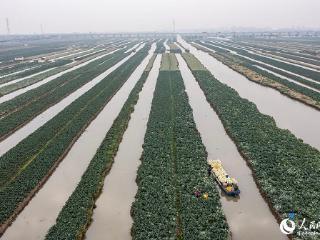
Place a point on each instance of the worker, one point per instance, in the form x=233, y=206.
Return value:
x=205, y=196
x=209, y=170
x=197, y=193
x=229, y=188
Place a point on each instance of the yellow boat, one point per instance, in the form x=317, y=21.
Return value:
x=227, y=184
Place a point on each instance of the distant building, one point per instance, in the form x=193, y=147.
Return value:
x=19, y=58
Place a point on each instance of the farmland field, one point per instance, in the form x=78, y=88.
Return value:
x=110, y=136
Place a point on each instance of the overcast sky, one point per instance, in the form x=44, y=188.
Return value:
x=26, y=16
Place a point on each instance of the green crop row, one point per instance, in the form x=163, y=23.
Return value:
x=30, y=51
x=19, y=66
x=169, y=62
x=219, y=50
x=174, y=48
x=16, y=67
x=284, y=52
x=160, y=47
x=298, y=88
x=32, y=80
x=194, y=63
x=22, y=109
x=297, y=58
x=30, y=95
x=41, y=68
x=173, y=166
x=94, y=53
x=288, y=67
x=249, y=64
x=75, y=217
x=23, y=167
x=285, y=74
x=228, y=60
x=286, y=169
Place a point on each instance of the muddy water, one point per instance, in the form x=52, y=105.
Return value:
x=44, y=117
x=112, y=216
x=249, y=216
x=300, y=119
x=48, y=79
x=40, y=214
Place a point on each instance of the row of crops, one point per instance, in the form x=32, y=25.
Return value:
x=94, y=53
x=169, y=62
x=40, y=68
x=173, y=47
x=293, y=57
x=274, y=68
x=288, y=67
x=36, y=157
x=16, y=70
x=277, y=48
x=160, y=47
x=248, y=69
x=41, y=76
x=173, y=166
x=285, y=168
x=30, y=51
x=20, y=110
x=16, y=67
x=11, y=69
x=72, y=223
x=299, y=58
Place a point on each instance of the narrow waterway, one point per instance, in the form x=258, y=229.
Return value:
x=248, y=216
x=48, y=114
x=112, y=217
x=40, y=214
x=300, y=119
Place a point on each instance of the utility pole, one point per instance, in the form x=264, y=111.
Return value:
x=8, y=26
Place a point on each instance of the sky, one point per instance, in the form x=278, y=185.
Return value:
x=69, y=16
